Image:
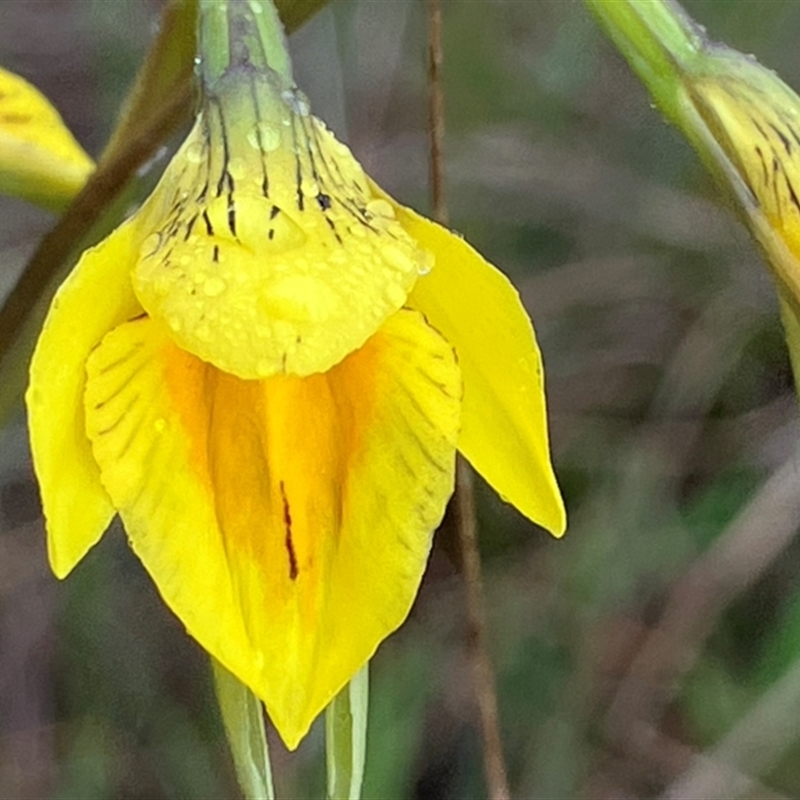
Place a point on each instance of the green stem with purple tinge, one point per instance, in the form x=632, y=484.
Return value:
x=241, y=34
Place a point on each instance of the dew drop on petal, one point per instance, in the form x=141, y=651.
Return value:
x=380, y=208
x=264, y=136
x=395, y=295
x=398, y=258
x=150, y=245
x=425, y=262
x=237, y=168
x=160, y=425
x=194, y=153
x=297, y=101
x=310, y=188
x=162, y=285
x=214, y=287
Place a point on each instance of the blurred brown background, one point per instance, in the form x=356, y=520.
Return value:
x=655, y=651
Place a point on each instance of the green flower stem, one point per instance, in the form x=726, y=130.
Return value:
x=243, y=718
x=241, y=33
x=346, y=738
x=658, y=40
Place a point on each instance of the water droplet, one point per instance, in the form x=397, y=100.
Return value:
x=175, y=324
x=198, y=61
x=150, y=245
x=214, y=287
x=195, y=152
x=397, y=258
x=310, y=188
x=426, y=262
x=380, y=208
x=160, y=425
x=237, y=168
x=396, y=230
x=264, y=136
x=395, y=295
x=161, y=285
x=297, y=101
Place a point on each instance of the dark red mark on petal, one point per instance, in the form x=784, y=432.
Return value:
x=287, y=522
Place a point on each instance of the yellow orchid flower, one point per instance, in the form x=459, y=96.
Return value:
x=40, y=160
x=266, y=373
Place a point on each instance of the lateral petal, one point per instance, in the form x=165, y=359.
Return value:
x=504, y=415
x=95, y=298
x=286, y=521
x=39, y=158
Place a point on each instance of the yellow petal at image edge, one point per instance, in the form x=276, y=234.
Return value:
x=95, y=298
x=504, y=416
x=287, y=521
x=39, y=158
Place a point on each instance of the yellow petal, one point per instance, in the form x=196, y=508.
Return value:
x=267, y=253
x=756, y=126
x=39, y=158
x=286, y=521
x=753, y=139
x=95, y=298
x=504, y=417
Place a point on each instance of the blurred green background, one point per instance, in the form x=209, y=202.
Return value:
x=655, y=651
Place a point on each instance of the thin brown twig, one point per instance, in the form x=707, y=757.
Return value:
x=485, y=691
x=436, y=110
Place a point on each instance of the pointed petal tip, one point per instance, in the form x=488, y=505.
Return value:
x=504, y=431
x=544, y=507
x=40, y=160
x=92, y=300
x=557, y=524
x=60, y=566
